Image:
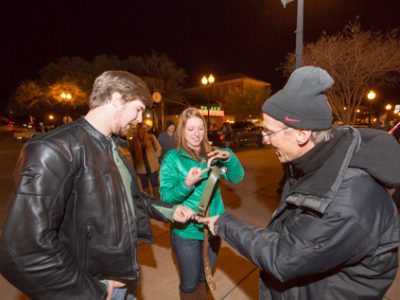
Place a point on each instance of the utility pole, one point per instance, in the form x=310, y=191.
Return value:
x=299, y=31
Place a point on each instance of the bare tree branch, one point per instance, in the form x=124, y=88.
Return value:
x=357, y=60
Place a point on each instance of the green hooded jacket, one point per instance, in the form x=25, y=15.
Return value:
x=174, y=168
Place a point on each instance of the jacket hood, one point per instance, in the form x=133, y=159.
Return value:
x=379, y=156
x=320, y=171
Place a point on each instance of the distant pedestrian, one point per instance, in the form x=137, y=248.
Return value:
x=227, y=133
x=167, y=139
x=381, y=122
x=146, y=151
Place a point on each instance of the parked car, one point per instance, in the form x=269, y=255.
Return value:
x=395, y=131
x=26, y=131
x=244, y=132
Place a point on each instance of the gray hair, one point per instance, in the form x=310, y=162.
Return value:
x=317, y=136
x=321, y=136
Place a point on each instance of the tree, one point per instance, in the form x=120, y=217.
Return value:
x=75, y=76
x=77, y=97
x=357, y=60
x=28, y=99
x=68, y=69
x=246, y=104
x=160, y=73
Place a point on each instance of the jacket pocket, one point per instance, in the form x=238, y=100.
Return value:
x=113, y=203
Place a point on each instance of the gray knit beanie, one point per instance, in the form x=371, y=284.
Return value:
x=302, y=103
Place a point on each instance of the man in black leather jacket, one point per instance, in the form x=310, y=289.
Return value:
x=77, y=214
x=336, y=232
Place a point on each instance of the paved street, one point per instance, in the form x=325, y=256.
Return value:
x=252, y=200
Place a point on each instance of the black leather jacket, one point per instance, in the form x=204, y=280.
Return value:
x=70, y=224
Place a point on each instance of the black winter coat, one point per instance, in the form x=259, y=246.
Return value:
x=335, y=234
x=70, y=224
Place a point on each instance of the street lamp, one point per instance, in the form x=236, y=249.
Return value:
x=299, y=31
x=66, y=97
x=370, y=96
x=207, y=81
x=388, y=106
x=157, y=97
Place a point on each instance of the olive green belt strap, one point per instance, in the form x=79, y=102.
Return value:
x=203, y=211
x=208, y=191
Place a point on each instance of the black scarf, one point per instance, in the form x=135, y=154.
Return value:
x=319, y=172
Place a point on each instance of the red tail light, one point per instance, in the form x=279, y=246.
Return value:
x=394, y=128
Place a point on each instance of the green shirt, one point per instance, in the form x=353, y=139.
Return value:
x=125, y=175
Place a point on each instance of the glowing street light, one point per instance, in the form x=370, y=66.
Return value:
x=66, y=98
x=370, y=96
x=207, y=81
x=388, y=106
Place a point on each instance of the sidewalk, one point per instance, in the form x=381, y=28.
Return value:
x=252, y=200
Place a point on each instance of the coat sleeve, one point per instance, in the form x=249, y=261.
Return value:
x=158, y=210
x=234, y=170
x=32, y=258
x=156, y=145
x=311, y=245
x=172, y=186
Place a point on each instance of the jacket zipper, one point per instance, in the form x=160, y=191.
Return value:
x=87, y=241
x=116, y=236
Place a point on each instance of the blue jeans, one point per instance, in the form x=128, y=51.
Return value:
x=190, y=260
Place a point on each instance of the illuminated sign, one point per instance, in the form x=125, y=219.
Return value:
x=215, y=111
x=397, y=108
x=204, y=107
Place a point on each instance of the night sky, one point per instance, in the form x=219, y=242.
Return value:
x=219, y=36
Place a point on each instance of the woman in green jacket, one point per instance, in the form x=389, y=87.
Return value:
x=183, y=176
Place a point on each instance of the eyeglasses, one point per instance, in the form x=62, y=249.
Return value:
x=269, y=134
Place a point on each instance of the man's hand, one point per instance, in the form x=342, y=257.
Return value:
x=111, y=285
x=182, y=214
x=210, y=222
x=217, y=154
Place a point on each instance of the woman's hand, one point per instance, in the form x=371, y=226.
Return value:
x=217, y=154
x=194, y=175
x=182, y=214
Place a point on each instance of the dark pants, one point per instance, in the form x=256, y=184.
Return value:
x=144, y=179
x=396, y=197
x=190, y=260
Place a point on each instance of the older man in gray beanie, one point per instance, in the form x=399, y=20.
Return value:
x=336, y=232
